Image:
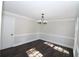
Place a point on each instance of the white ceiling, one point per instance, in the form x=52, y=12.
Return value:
x=33, y=9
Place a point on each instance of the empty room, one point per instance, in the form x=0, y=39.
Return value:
x=39, y=29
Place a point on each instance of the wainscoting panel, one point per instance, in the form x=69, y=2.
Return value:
x=28, y=37
x=57, y=39
x=25, y=38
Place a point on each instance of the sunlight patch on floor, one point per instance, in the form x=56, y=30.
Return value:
x=49, y=44
x=60, y=49
x=34, y=53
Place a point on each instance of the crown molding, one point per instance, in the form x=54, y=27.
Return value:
x=17, y=15
x=62, y=19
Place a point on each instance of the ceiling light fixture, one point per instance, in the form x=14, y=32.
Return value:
x=43, y=20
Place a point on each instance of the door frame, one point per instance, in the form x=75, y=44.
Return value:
x=75, y=38
x=1, y=4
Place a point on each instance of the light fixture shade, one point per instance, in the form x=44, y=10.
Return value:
x=39, y=21
x=44, y=22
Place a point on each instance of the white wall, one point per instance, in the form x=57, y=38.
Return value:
x=26, y=29
x=59, y=31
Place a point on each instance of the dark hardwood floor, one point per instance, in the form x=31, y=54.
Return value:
x=47, y=51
